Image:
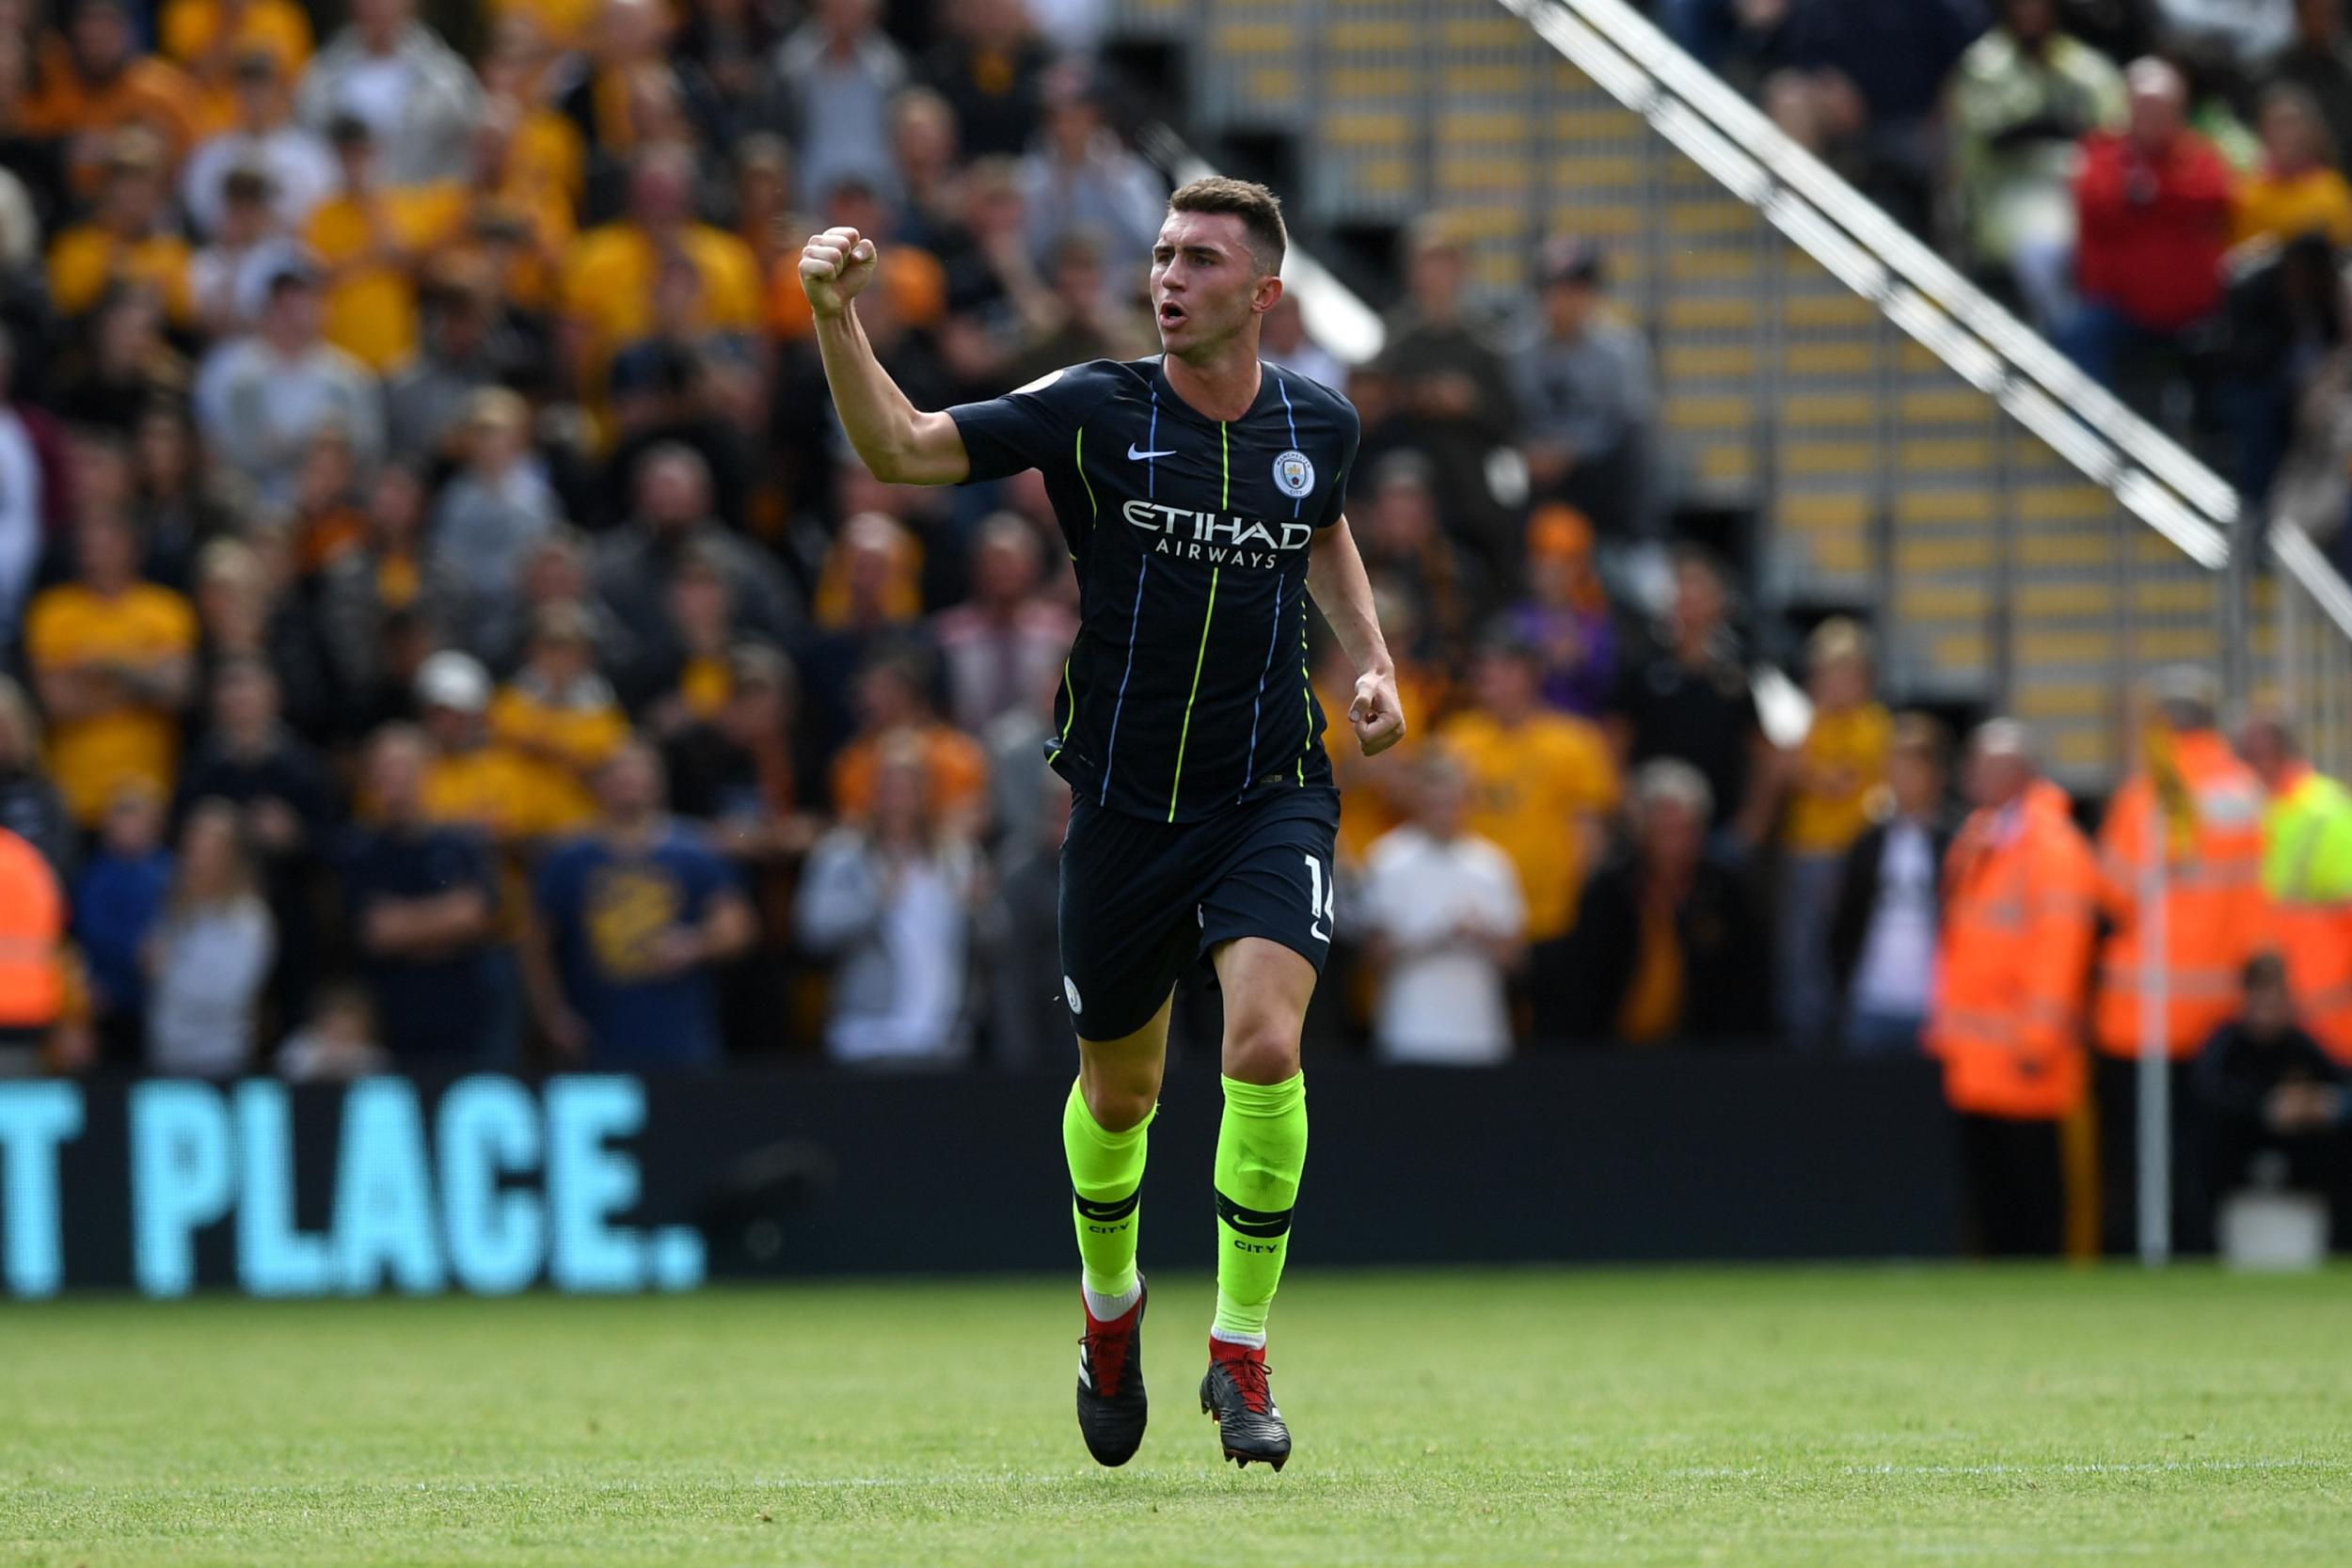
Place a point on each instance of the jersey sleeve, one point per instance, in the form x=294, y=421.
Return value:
x=1029, y=426
x=1351, y=433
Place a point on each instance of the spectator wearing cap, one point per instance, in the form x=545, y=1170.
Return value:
x=1688, y=698
x=1080, y=176
x=111, y=659
x=128, y=238
x=2023, y=97
x=994, y=69
x=496, y=508
x=2299, y=189
x=1833, y=775
x=264, y=138
x=372, y=239
x=561, y=714
x=474, y=779
x=2319, y=60
x=1566, y=616
x=1456, y=397
x=392, y=72
x=2152, y=204
x=1541, y=784
x=1587, y=397
x=93, y=81
x=1668, y=946
x=610, y=276
x=631, y=920
x=260, y=398
x=229, y=278
x=420, y=899
x=839, y=72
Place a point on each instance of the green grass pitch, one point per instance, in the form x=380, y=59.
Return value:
x=1756, y=1418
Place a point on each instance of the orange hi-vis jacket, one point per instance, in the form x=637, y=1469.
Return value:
x=2307, y=889
x=32, y=928
x=2013, y=961
x=2203, y=811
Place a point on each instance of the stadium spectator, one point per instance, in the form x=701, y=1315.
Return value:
x=394, y=74
x=246, y=608
x=1283, y=342
x=636, y=564
x=2274, y=1110
x=1688, y=699
x=1833, y=776
x=1882, y=932
x=2297, y=190
x=1540, y=783
x=1866, y=80
x=491, y=514
x=994, y=69
x=2319, y=61
x=1587, y=397
x=1018, y=941
x=263, y=139
x=30, y=806
x=2024, y=97
x=2306, y=879
x=2288, y=383
x=371, y=238
x=93, y=82
x=627, y=46
x=35, y=490
x=2184, y=830
x=1080, y=177
x=459, y=353
x=118, y=901
x=631, y=920
x=2153, y=211
x=260, y=398
x=888, y=900
x=229, y=278
x=1411, y=555
x=1456, y=397
x=840, y=72
x=1566, y=615
x=420, y=898
x=338, y=1042
x=561, y=716
x=209, y=957
x=1444, y=923
x=1667, y=946
x=1002, y=649
x=2014, y=964
x=894, y=705
x=111, y=659
x=130, y=237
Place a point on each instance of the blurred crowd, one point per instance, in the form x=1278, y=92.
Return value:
x=444, y=628
x=2158, y=185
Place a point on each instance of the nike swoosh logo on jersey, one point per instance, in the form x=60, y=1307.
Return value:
x=1135, y=456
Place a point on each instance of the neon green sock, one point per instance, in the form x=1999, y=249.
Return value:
x=1260, y=1151
x=1107, y=1184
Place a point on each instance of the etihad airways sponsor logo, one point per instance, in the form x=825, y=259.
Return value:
x=1220, y=541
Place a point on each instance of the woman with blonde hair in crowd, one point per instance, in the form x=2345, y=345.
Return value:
x=208, y=960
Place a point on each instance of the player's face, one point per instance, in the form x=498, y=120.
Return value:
x=1205, y=286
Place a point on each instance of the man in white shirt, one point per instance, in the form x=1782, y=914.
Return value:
x=300, y=168
x=1445, y=919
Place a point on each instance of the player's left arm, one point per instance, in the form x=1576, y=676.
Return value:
x=1336, y=579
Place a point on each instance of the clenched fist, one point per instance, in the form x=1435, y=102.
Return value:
x=835, y=266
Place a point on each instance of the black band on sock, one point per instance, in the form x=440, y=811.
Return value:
x=1104, y=1214
x=1253, y=1222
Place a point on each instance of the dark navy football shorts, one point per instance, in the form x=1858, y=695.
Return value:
x=1141, y=901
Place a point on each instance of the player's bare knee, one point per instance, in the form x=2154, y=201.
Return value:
x=1116, y=1099
x=1261, y=1051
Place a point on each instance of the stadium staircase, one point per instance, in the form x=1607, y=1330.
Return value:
x=1912, y=453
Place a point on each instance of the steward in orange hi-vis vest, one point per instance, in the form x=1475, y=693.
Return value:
x=32, y=927
x=2014, y=960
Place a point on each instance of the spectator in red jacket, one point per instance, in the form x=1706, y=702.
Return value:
x=2153, y=207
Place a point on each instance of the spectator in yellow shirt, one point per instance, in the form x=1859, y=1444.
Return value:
x=207, y=37
x=1541, y=781
x=94, y=82
x=126, y=238
x=112, y=662
x=609, y=278
x=1832, y=777
x=372, y=240
x=2299, y=190
x=561, y=715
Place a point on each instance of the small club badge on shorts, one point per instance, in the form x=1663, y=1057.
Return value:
x=1070, y=990
x=1294, y=474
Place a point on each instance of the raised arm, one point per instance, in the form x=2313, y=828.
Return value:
x=1335, y=577
x=900, y=443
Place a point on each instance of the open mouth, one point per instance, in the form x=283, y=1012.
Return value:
x=1170, y=312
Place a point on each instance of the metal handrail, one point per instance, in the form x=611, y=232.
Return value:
x=2155, y=479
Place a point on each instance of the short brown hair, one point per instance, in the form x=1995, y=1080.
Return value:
x=1259, y=209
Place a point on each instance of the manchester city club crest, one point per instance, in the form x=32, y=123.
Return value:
x=1294, y=474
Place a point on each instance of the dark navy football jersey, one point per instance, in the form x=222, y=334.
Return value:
x=1187, y=691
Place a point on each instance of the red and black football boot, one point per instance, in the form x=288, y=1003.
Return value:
x=1111, y=1405
x=1236, y=1392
